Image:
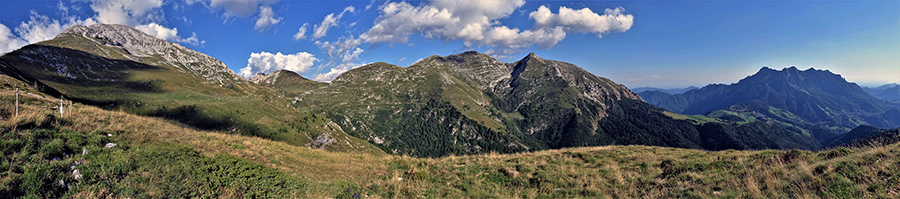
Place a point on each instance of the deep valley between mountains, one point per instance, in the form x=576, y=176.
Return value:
x=527, y=119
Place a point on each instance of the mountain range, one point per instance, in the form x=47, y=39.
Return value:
x=887, y=91
x=467, y=103
x=669, y=91
x=816, y=100
x=117, y=67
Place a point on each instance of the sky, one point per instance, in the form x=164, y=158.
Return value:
x=667, y=44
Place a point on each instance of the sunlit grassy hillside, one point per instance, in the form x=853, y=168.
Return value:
x=86, y=71
x=157, y=158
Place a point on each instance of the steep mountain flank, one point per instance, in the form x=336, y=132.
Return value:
x=887, y=92
x=864, y=134
x=120, y=68
x=472, y=103
x=146, y=49
x=816, y=96
x=818, y=101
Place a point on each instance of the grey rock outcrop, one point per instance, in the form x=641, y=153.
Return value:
x=142, y=47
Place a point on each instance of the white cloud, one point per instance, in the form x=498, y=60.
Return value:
x=168, y=34
x=330, y=75
x=8, y=41
x=476, y=22
x=265, y=62
x=320, y=30
x=191, y=2
x=160, y=31
x=140, y=14
x=352, y=56
x=335, y=72
x=342, y=48
x=584, y=20
x=346, y=49
x=442, y=19
x=39, y=27
x=301, y=34
x=127, y=12
x=266, y=18
x=143, y=15
x=372, y=2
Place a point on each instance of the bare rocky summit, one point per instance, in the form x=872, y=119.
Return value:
x=140, y=46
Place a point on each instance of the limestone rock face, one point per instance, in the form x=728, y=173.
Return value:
x=141, y=47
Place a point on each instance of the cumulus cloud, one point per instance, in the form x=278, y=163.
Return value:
x=335, y=72
x=8, y=41
x=442, y=19
x=127, y=12
x=39, y=27
x=160, y=31
x=476, y=23
x=140, y=14
x=266, y=18
x=168, y=34
x=583, y=20
x=265, y=62
x=343, y=48
x=331, y=20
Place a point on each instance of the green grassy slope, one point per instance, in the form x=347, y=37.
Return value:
x=470, y=103
x=60, y=67
x=418, y=110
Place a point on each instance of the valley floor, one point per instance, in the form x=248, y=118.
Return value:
x=161, y=159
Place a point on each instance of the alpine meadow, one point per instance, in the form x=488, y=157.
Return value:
x=449, y=99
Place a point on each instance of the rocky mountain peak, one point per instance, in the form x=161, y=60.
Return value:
x=145, y=48
x=537, y=70
x=271, y=78
x=134, y=41
x=532, y=55
x=258, y=77
x=482, y=69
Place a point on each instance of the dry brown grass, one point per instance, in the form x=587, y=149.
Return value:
x=317, y=166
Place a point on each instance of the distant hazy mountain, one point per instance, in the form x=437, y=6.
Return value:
x=887, y=91
x=669, y=91
x=819, y=101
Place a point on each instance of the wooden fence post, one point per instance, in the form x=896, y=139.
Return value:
x=61, y=109
x=17, y=101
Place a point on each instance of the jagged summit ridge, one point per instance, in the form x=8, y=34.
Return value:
x=140, y=46
x=134, y=41
x=591, y=86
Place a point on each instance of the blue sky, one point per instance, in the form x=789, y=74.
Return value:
x=636, y=43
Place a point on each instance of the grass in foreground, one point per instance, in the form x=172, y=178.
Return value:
x=155, y=158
